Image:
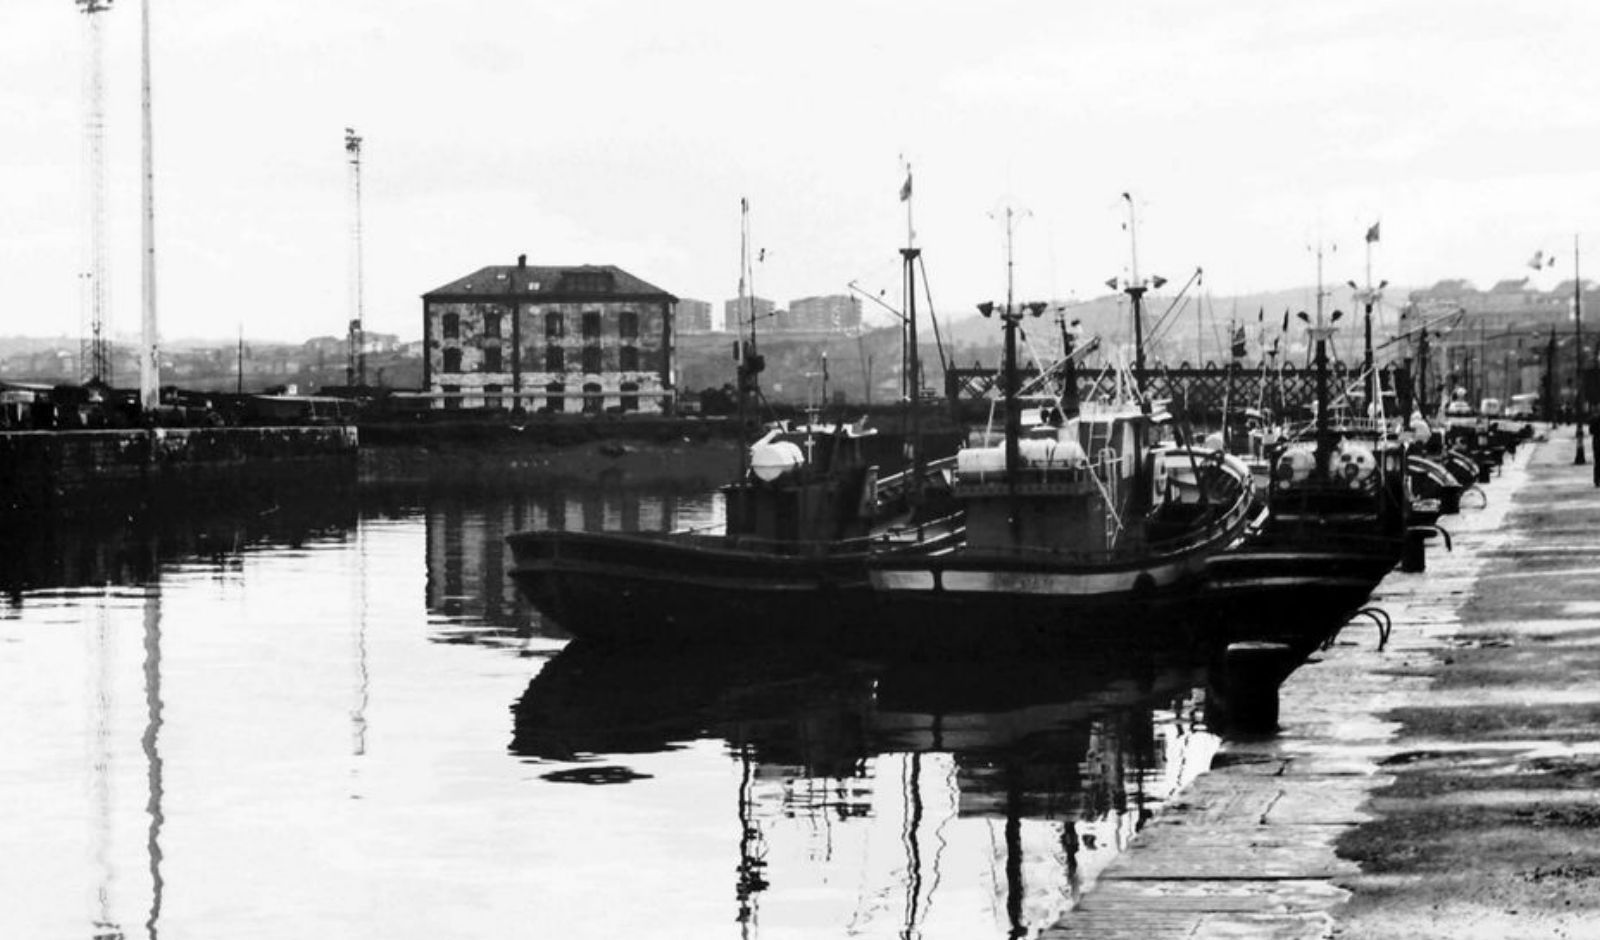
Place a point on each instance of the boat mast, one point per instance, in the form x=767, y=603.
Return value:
x=1010, y=320
x=1369, y=297
x=1319, y=336
x=748, y=362
x=1013, y=406
x=1135, y=287
x=913, y=356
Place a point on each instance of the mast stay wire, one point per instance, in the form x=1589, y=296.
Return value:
x=927, y=291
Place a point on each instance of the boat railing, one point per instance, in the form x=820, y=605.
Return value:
x=909, y=534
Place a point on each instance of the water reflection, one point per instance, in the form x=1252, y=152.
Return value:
x=125, y=543
x=469, y=589
x=150, y=743
x=1061, y=762
x=291, y=719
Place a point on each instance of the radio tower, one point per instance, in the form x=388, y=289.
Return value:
x=356, y=368
x=94, y=357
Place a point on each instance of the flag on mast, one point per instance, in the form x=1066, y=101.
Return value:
x=1372, y=233
x=905, y=188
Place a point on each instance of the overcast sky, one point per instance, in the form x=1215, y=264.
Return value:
x=623, y=132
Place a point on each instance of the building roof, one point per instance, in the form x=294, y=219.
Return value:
x=549, y=283
x=1510, y=285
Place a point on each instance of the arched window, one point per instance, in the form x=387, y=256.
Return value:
x=593, y=402
x=630, y=396
x=628, y=325
x=628, y=359
x=555, y=359
x=555, y=325
x=452, y=360
x=591, y=325
x=553, y=401
x=450, y=325
x=492, y=360
x=591, y=360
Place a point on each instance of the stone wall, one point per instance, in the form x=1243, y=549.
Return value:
x=49, y=470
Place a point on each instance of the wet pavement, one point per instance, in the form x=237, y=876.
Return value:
x=1447, y=785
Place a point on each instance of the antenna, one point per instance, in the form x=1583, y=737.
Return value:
x=94, y=359
x=355, y=373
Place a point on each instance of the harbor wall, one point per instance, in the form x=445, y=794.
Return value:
x=62, y=470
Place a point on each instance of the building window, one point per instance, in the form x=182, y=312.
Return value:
x=591, y=325
x=555, y=359
x=553, y=401
x=492, y=359
x=555, y=325
x=450, y=324
x=452, y=396
x=630, y=396
x=593, y=400
x=452, y=360
x=591, y=360
x=491, y=396
x=628, y=359
x=491, y=325
x=628, y=325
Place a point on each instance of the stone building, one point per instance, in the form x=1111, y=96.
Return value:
x=588, y=338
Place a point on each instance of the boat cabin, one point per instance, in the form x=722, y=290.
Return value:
x=805, y=486
x=1075, y=488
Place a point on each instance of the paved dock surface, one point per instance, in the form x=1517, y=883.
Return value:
x=1446, y=786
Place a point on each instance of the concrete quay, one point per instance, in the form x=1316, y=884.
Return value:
x=1446, y=786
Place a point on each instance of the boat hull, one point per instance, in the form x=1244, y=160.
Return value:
x=613, y=587
x=1297, y=595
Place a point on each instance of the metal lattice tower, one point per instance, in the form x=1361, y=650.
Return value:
x=94, y=358
x=356, y=368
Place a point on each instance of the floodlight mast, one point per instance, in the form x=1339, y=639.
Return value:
x=356, y=364
x=94, y=360
x=149, y=352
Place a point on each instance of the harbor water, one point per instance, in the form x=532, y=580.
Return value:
x=334, y=717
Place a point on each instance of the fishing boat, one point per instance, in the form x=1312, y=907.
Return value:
x=1339, y=506
x=1077, y=527
x=789, y=563
x=805, y=514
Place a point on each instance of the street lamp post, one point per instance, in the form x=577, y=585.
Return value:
x=1577, y=356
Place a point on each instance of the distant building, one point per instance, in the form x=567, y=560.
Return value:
x=694, y=316
x=736, y=313
x=1507, y=340
x=831, y=313
x=1513, y=305
x=562, y=339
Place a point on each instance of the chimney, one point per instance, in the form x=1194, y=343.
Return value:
x=522, y=261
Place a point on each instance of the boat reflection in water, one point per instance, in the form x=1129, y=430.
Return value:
x=915, y=780
x=468, y=560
